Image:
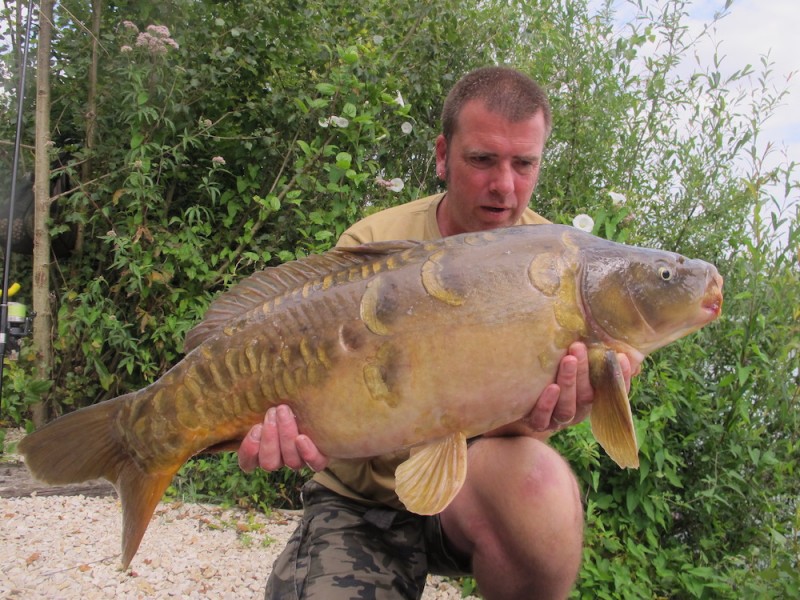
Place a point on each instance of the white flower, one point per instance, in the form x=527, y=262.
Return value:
x=324, y=122
x=617, y=199
x=399, y=99
x=218, y=160
x=340, y=121
x=583, y=222
x=395, y=185
x=406, y=127
x=377, y=39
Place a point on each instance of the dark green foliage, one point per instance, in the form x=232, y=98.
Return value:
x=218, y=478
x=229, y=153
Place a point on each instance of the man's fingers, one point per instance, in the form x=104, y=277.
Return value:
x=627, y=369
x=539, y=418
x=565, y=409
x=269, y=450
x=276, y=443
x=287, y=434
x=309, y=453
x=248, y=449
x=583, y=386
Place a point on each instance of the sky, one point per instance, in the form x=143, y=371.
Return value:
x=750, y=30
x=753, y=28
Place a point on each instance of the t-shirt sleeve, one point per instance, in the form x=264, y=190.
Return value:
x=349, y=239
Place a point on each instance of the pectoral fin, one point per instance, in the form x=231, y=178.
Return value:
x=434, y=473
x=612, y=422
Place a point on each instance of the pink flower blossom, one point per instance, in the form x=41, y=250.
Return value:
x=156, y=39
x=159, y=30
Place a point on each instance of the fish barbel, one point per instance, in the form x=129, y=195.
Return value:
x=388, y=346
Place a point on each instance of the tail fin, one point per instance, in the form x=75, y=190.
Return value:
x=83, y=445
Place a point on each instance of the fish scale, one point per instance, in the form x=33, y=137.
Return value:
x=403, y=348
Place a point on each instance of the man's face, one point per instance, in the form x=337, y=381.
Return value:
x=491, y=166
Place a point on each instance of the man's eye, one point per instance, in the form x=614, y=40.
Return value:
x=525, y=165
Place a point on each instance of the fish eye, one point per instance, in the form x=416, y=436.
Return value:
x=664, y=273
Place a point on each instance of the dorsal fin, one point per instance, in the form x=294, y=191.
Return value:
x=284, y=279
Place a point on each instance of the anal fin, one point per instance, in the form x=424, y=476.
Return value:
x=612, y=421
x=432, y=476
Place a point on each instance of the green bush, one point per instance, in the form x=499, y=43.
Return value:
x=218, y=478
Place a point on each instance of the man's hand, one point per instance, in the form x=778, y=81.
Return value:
x=276, y=443
x=567, y=401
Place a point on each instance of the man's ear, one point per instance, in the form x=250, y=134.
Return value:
x=441, y=157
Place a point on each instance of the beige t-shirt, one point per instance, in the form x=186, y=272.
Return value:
x=372, y=480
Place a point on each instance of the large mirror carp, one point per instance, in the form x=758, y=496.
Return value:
x=390, y=346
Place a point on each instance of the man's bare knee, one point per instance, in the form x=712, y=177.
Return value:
x=525, y=519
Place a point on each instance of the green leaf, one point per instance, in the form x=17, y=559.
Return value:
x=350, y=56
x=744, y=374
x=349, y=110
x=632, y=499
x=301, y=105
x=136, y=140
x=327, y=88
x=343, y=160
x=304, y=147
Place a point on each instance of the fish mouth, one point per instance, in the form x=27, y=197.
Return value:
x=712, y=300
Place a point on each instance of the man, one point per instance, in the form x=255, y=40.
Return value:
x=517, y=523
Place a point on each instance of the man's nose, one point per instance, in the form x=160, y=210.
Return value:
x=502, y=180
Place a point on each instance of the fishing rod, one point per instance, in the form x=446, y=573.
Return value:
x=7, y=336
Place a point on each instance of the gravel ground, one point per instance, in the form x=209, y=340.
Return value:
x=68, y=547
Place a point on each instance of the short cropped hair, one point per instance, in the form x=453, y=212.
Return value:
x=504, y=90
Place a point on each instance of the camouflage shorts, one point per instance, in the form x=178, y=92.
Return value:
x=344, y=550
